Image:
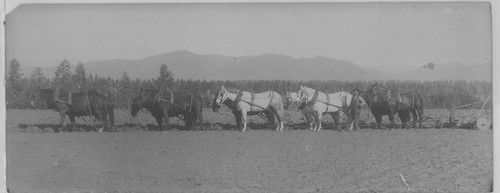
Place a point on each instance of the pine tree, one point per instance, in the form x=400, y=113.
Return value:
x=62, y=78
x=80, y=77
x=125, y=90
x=14, y=75
x=14, y=86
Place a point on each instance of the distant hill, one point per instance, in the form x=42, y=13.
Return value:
x=187, y=65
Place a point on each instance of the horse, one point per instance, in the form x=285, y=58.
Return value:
x=323, y=103
x=79, y=104
x=244, y=103
x=162, y=107
x=416, y=103
x=306, y=110
x=386, y=101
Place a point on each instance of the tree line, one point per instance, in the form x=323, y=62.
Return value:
x=21, y=90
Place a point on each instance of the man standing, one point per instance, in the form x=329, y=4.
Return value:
x=355, y=110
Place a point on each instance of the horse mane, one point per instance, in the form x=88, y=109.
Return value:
x=230, y=89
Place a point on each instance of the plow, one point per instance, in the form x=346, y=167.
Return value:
x=482, y=120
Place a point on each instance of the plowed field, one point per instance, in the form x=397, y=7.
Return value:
x=223, y=160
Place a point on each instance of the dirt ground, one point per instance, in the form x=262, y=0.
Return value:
x=260, y=160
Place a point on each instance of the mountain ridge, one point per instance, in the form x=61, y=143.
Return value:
x=185, y=64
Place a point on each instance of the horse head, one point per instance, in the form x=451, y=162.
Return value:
x=292, y=97
x=137, y=102
x=222, y=96
x=305, y=93
x=215, y=106
x=288, y=99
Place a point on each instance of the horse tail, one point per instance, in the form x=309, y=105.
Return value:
x=111, y=115
x=421, y=100
x=200, y=109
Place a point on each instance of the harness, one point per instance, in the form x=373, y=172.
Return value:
x=389, y=98
x=69, y=103
x=237, y=100
x=314, y=99
x=171, y=102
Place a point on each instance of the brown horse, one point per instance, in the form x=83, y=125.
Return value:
x=89, y=103
x=386, y=101
x=162, y=107
x=415, y=103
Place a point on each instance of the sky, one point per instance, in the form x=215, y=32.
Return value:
x=390, y=37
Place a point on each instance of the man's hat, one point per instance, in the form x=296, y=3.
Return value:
x=356, y=90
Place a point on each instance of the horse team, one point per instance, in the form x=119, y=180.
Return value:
x=270, y=105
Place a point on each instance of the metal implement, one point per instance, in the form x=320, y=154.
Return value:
x=478, y=121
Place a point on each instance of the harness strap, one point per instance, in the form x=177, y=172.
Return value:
x=252, y=99
x=88, y=99
x=271, y=96
x=327, y=101
x=69, y=98
x=314, y=98
x=237, y=99
x=413, y=96
x=191, y=103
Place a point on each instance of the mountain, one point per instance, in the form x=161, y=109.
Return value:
x=187, y=65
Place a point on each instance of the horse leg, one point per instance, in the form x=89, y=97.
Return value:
x=166, y=121
x=314, y=120
x=73, y=122
x=98, y=116
x=239, y=123
x=159, y=121
x=105, y=121
x=188, y=122
x=280, y=117
x=420, y=116
x=244, y=117
x=391, y=120
x=270, y=117
x=318, y=122
x=378, y=118
x=336, y=119
x=414, y=117
x=405, y=117
x=63, y=117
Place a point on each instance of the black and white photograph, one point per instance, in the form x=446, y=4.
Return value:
x=303, y=97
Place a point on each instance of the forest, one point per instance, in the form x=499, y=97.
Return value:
x=21, y=89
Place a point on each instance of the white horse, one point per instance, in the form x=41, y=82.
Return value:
x=292, y=97
x=333, y=104
x=309, y=114
x=246, y=102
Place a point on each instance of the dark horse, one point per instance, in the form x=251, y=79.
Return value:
x=385, y=101
x=237, y=114
x=89, y=103
x=416, y=103
x=161, y=106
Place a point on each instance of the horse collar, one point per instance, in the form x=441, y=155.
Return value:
x=237, y=99
x=314, y=98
